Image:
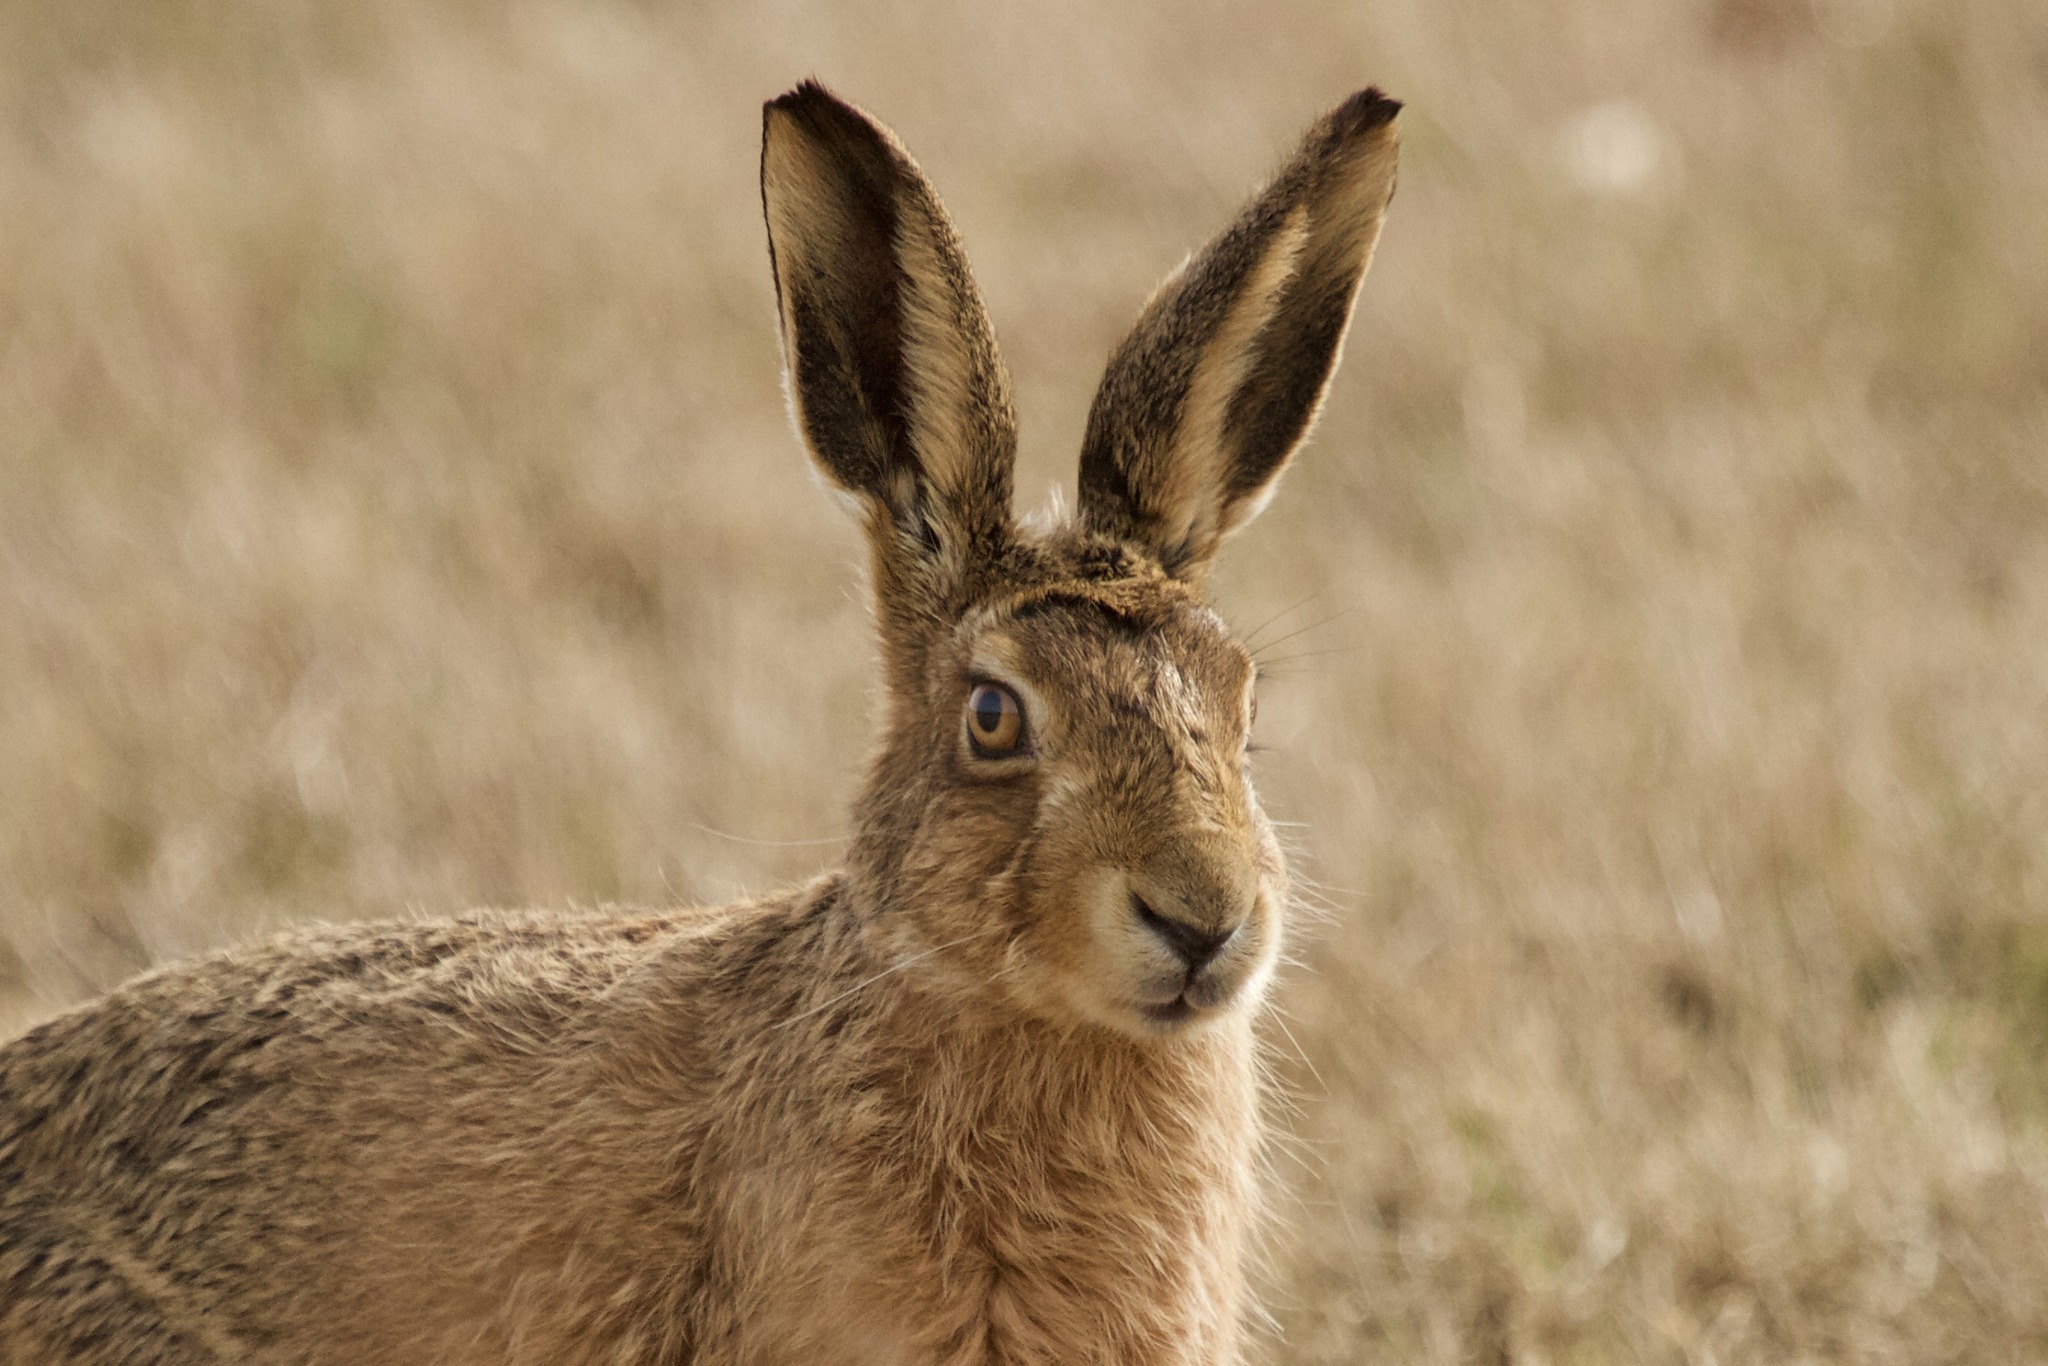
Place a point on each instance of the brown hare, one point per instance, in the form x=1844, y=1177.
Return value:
x=987, y=1094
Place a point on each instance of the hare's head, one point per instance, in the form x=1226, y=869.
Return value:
x=1061, y=810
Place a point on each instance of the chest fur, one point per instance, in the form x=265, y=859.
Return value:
x=1049, y=1207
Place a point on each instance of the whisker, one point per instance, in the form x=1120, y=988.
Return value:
x=1249, y=636
x=1300, y=1052
x=911, y=961
x=1325, y=888
x=1266, y=664
x=772, y=844
x=1317, y=625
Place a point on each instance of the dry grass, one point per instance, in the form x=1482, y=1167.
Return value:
x=396, y=509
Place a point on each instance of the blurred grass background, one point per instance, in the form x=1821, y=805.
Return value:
x=397, y=511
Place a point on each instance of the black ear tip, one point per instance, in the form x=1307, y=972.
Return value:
x=826, y=119
x=809, y=97
x=1370, y=109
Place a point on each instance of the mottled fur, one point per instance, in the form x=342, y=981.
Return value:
x=958, y=1103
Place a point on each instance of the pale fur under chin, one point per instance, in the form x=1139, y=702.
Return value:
x=912, y=1112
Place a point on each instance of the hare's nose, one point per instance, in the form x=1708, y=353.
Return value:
x=1196, y=945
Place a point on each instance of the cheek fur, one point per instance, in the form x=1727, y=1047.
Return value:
x=1271, y=927
x=1066, y=957
x=964, y=863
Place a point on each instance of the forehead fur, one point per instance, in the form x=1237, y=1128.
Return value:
x=1075, y=568
x=1077, y=584
x=1116, y=576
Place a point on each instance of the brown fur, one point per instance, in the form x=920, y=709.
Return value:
x=958, y=1103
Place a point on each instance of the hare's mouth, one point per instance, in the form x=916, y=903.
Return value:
x=1203, y=993
x=1177, y=1011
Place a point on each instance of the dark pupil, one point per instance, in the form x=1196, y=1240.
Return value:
x=988, y=711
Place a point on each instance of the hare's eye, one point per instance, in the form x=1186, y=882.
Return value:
x=995, y=723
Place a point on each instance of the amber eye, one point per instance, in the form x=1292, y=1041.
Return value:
x=995, y=723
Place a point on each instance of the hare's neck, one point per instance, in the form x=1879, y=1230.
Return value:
x=1085, y=1117
x=1068, y=1180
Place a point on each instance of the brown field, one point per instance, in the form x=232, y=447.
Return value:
x=397, y=511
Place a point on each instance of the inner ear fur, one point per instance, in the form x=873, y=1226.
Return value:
x=1218, y=384
x=894, y=380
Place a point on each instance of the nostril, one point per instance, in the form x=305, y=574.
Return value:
x=1196, y=946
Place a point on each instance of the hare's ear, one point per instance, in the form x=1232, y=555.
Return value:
x=1218, y=383
x=894, y=380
